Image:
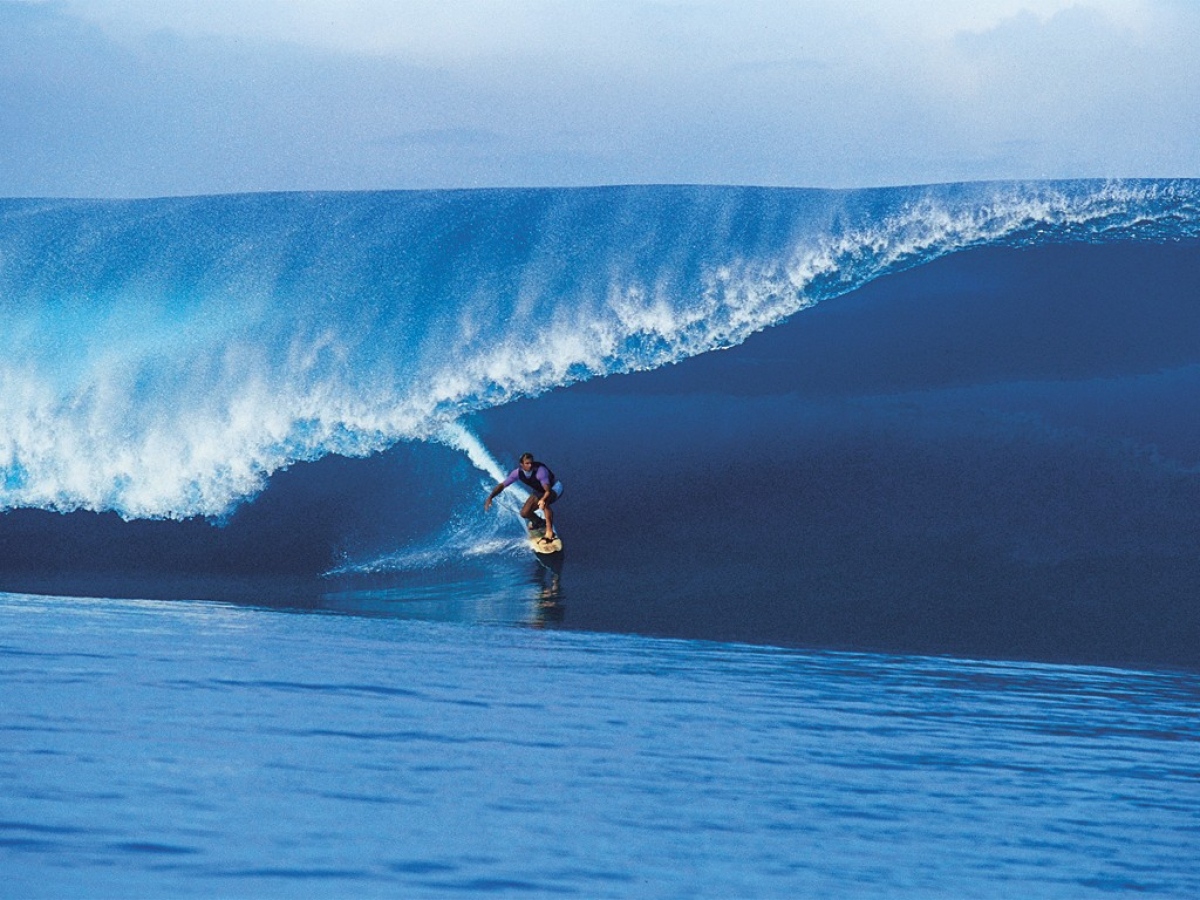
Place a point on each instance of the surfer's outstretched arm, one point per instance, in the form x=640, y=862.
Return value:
x=487, y=504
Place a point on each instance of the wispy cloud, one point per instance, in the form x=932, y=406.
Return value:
x=118, y=97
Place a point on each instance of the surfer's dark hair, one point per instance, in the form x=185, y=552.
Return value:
x=526, y=456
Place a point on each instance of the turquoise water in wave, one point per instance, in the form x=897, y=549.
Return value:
x=164, y=358
x=176, y=749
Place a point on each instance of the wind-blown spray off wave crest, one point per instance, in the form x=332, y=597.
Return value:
x=466, y=535
x=163, y=358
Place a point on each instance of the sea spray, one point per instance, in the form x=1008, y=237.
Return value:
x=468, y=533
x=458, y=436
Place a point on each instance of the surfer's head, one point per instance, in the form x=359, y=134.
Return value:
x=526, y=461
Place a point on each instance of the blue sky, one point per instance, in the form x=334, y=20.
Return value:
x=156, y=97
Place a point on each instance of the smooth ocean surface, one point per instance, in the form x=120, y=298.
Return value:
x=188, y=749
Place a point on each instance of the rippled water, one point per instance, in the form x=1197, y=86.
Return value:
x=192, y=749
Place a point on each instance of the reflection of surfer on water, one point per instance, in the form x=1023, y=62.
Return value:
x=548, y=610
x=544, y=490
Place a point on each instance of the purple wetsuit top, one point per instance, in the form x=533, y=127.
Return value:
x=541, y=473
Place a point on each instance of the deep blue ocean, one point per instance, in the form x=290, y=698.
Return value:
x=881, y=525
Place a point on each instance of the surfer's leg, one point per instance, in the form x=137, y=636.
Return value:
x=529, y=511
x=550, y=516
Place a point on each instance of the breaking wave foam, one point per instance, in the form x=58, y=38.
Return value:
x=163, y=358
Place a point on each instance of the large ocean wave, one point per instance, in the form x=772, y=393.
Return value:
x=164, y=358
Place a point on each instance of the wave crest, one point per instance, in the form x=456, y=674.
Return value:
x=163, y=358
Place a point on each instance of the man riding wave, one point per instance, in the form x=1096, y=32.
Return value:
x=544, y=489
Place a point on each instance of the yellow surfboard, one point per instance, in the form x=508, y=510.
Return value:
x=541, y=546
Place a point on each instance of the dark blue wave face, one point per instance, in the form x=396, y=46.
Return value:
x=988, y=451
x=995, y=455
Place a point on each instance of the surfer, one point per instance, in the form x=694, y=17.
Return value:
x=544, y=489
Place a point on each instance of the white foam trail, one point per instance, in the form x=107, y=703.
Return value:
x=459, y=437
